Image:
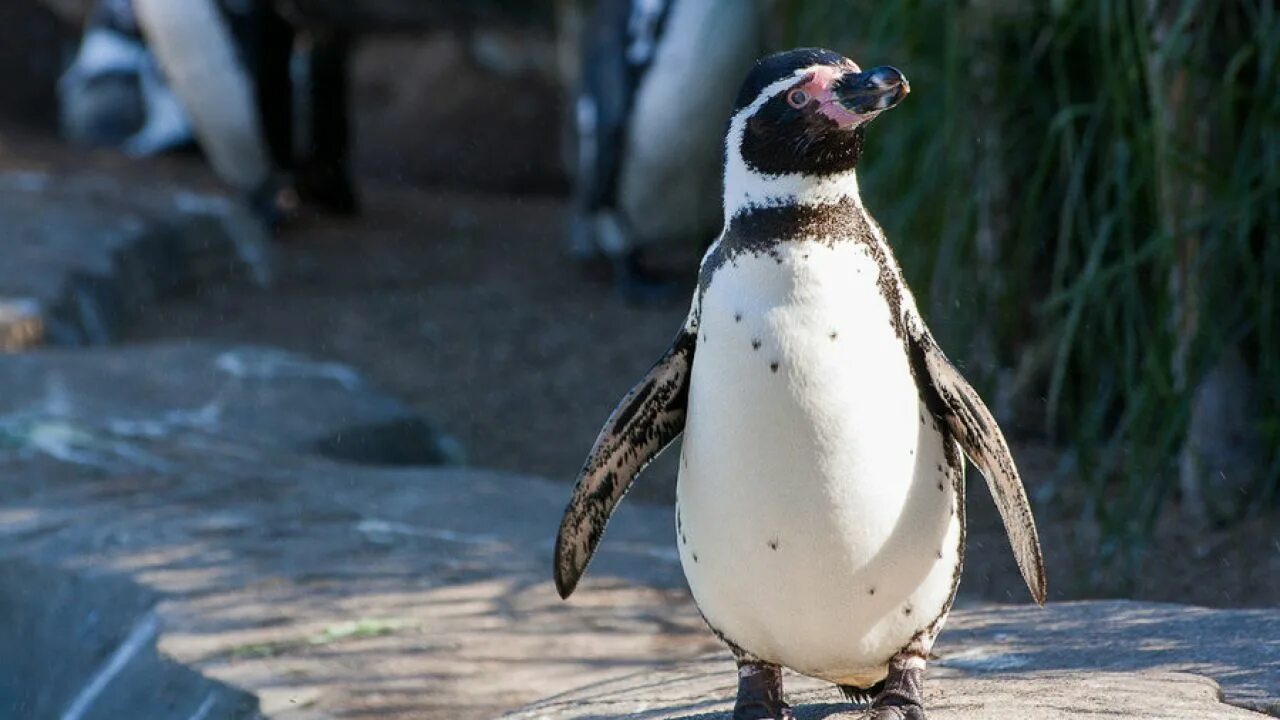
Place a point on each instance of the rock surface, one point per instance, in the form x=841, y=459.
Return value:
x=182, y=483
x=323, y=588
x=83, y=253
x=703, y=690
x=100, y=409
x=1069, y=660
x=83, y=658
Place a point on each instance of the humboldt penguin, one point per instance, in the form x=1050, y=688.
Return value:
x=113, y=93
x=820, y=496
x=264, y=88
x=202, y=63
x=656, y=82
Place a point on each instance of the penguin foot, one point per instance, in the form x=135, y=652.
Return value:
x=760, y=693
x=902, y=697
x=913, y=712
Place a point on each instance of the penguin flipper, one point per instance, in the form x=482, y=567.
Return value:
x=643, y=424
x=956, y=404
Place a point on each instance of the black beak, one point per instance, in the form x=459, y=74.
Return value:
x=877, y=89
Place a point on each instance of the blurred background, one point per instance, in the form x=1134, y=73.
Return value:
x=1084, y=195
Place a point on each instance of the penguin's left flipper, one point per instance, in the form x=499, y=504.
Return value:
x=645, y=422
x=955, y=403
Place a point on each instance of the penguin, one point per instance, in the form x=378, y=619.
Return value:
x=113, y=93
x=656, y=81
x=202, y=63
x=820, y=495
x=232, y=65
x=302, y=67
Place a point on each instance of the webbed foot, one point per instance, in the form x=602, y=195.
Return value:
x=902, y=697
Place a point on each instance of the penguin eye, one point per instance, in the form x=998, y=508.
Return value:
x=797, y=98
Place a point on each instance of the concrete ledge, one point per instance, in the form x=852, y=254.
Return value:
x=704, y=691
x=1070, y=660
x=182, y=482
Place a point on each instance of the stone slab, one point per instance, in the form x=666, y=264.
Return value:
x=327, y=588
x=83, y=253
x=703, y=690
x=1117, y=658
x=1239, y=649
x=324, y=588
x=93, y=408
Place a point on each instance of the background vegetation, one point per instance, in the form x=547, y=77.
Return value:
x=1085, y=193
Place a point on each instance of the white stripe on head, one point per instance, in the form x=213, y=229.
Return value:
x=746, y=188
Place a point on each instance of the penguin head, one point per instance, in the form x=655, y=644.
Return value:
x=801, y=116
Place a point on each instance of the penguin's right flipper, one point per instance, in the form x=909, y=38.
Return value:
x=645, y=422
x=956, y=405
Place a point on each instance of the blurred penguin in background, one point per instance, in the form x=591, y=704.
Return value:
x=113, y=94
x=656, y=84
x=301, y=67
x=263, y=95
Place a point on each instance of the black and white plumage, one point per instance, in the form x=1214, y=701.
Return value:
x=262, y=95
x=820, y=501
x=201, y=61
x=114, y=94
x=657, y=79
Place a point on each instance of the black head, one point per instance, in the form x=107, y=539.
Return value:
x=804, y=111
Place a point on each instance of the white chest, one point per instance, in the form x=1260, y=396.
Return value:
x=819, y=528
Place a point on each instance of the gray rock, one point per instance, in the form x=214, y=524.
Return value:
x=1236, y=648
x=84, y=253
x=703, y=690
x=88, y=652
x=135, y=406
x=183, y=476
x=182, y=482
x=1068, y=660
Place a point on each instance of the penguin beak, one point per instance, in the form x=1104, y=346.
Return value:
x=871, y=92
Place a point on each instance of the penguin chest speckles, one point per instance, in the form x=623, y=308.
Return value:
x=809, y=483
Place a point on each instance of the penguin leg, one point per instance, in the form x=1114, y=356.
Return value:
x=902, y=697
x=323, y=170
x=760, y=692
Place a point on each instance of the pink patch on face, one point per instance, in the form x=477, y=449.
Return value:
x=817, y=84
